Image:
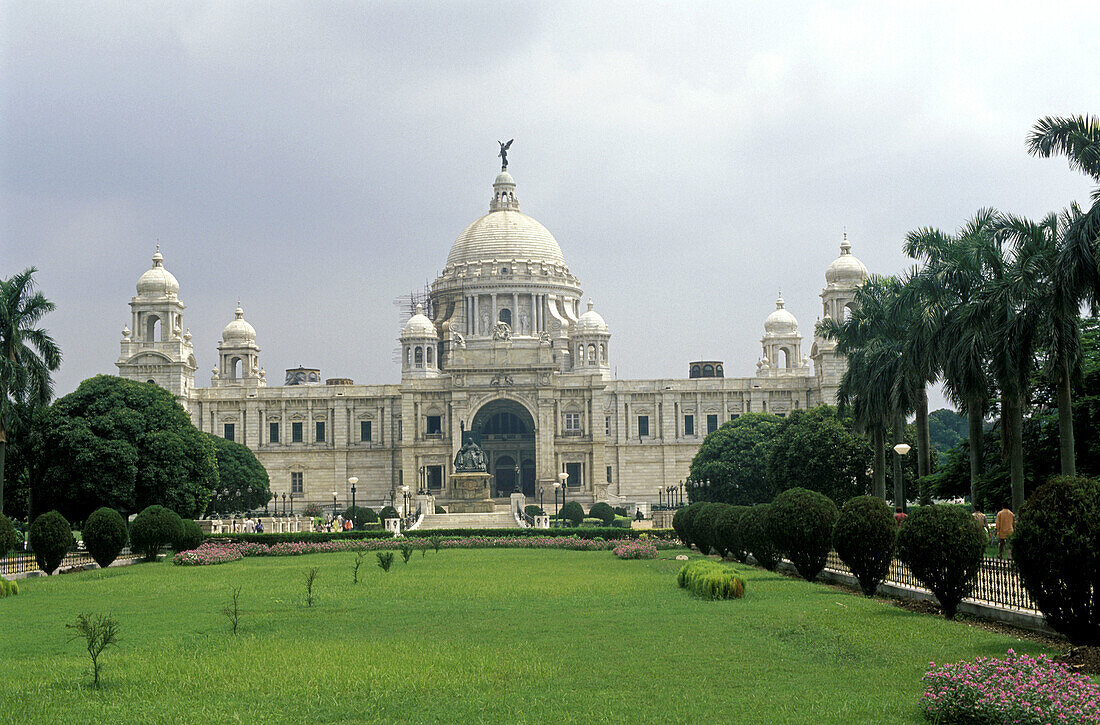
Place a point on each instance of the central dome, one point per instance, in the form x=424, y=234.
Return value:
x=505, y=233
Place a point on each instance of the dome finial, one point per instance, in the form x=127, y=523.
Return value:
x=158, y=258
x=504, y=193
x=590, y=305
x=845, y=245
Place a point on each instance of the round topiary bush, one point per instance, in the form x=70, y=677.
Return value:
x=573, y=513
x=729, y=532
x=190, y=536
x=703, y=526
x=388, y=512
x=105, y=535
x=153, y=529
x=756, y=537
x=800, y=523
x=864, y=538
x=681, y=522
x=532, y=510
x=1055, y=546
x=602, y=511
x=51, y=538
x=9, y=537
x=942, y=545
x=360, y=516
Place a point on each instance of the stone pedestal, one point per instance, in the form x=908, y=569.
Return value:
x=470, y=493
x=542, y=522
x=393, y=526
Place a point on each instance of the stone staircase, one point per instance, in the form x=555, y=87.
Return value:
x=500, y=519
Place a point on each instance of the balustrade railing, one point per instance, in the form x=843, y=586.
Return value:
x=23, y=562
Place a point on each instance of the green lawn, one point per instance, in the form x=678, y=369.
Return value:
x=469, y=636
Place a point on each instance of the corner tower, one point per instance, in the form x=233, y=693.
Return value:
x=157, y=349
x=842, y=279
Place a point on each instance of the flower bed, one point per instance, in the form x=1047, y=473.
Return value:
x=1015, y=689
x=220, y=552
x=636, y=550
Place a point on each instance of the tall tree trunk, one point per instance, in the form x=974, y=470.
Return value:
x=1014, y=438
x=899, y=477
x=974, y=415
x=924, y=439
x=3, y=457
x=878, y=473
x=1066, y=444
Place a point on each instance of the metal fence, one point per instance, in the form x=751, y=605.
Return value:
x=24, y=562
x=997, y=582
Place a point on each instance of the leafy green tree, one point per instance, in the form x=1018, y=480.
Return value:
x=243, y=484
x=27, y=356
x=946, y=429
x=732, y=461
x=818, y=450
x=125, y=445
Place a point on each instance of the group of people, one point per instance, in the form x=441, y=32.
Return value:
x=337, y=523
x=1003, y=526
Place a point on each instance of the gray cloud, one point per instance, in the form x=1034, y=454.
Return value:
x=317, y=160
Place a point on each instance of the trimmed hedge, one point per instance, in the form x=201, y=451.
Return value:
x=51, y=537
x=681, y=522
x=1055, y=546
x=729, y=532
x=800, y=523
x=155, y=527
x=388, y=512
x=756, y=537
x=360, y=515
x=864, y=538
x=8, y=588
x=105, y=535
x=703, y=526
x=572, y=512
x=603, y=512
x=318, y=536
x=9, y=538
x=942, y=545
x=710, y=580
x=190, y=536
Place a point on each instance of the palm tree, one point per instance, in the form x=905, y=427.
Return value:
x=27, y=355
x=1053, y=307
x=950, y=280
x=1078, y=139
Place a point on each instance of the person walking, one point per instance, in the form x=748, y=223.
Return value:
x=1006, y=524
x=900, y=515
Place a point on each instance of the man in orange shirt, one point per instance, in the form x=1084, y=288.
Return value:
x=1006, y=524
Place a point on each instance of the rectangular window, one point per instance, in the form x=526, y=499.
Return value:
x=435, y=478
x=230, y=431
x=712, y=423
x=320, y=431
x=643, y=426
x=296, y=483
x=295, y=432
x=572, y=422
x=364, y=431
x=435, y=426
x=273, y=432
x=609, y=474
x=574, y=470
x=607, y=426
x=689, y=425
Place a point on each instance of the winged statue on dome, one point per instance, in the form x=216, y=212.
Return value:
x=504, y=153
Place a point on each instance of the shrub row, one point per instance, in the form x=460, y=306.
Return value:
x=636, y=549
x=710, y=580
x=8, y=588
x=315, y=536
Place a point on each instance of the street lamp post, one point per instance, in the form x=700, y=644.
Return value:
x=516, y=488
x=405, y=500
x=660, y=497
x=353, y=480
x=423, y=489
x=564, y=480
x=899, y=481
x=557, y=511
x=334, y=503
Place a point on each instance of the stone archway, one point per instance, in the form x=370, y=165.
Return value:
x=508, y=439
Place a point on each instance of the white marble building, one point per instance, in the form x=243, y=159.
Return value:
x=506, y=345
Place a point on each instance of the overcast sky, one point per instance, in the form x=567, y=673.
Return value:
x=318, y=159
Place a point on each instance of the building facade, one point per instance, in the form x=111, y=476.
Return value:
x=505, y=345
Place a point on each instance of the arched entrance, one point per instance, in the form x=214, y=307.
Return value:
x=508, y=440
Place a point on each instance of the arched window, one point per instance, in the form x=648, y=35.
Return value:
x=153, y=328
x=718, y=370
x=784, y=358
x=418, y=357
x=591, y=354
x=506, y=316
x=408, y=356
x=429, y=351
x=603, y=353
x=695, y=372
x=708, y=371
x=235, y=368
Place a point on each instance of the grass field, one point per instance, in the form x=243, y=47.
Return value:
x=468, y=636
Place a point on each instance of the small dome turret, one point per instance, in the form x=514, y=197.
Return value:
x=239, y=331
x=419, y=326
x=157, y=281
x=591, y=322
x=781, y=321
x=846, y=269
